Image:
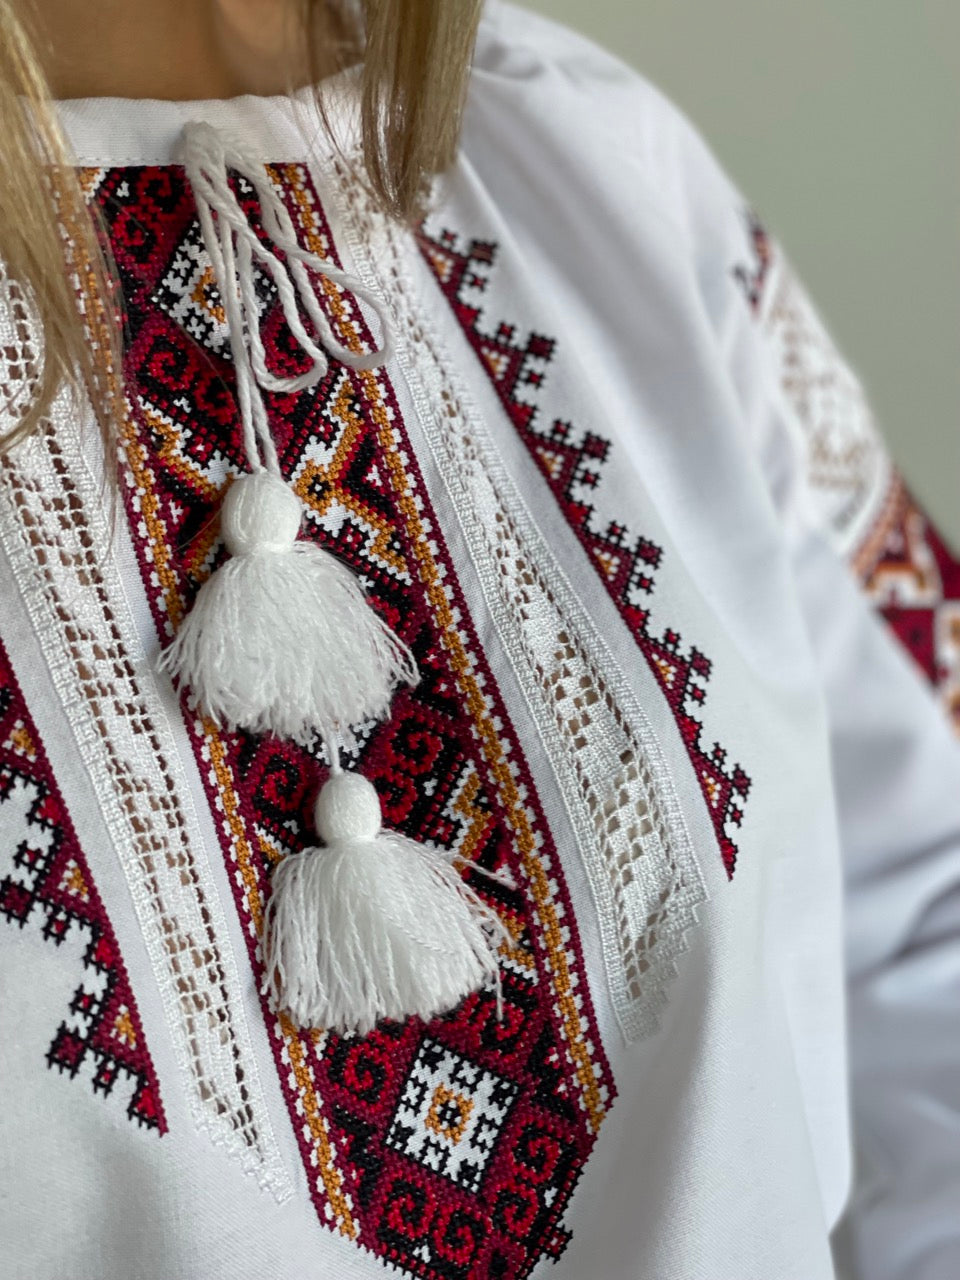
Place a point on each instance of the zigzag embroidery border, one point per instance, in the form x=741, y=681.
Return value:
x=625, y=562
x=47, y=878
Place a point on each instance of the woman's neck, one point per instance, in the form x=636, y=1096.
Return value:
x=172, y=49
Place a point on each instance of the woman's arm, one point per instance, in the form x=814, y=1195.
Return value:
x=880, y=592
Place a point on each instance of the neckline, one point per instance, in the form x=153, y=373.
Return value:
x=109, y=131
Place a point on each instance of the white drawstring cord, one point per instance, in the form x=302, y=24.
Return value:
x=207, y=155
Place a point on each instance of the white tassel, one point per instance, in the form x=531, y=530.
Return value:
x=374, y=925
x=281, y=638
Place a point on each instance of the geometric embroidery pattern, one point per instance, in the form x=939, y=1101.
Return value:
x=46, y=883
x=847, y=465
x=57, y=542
x=571, y=463
x=450, y=1114
x=904, y=566
x=752, y=276
x=913, y=579
x=516, y=1105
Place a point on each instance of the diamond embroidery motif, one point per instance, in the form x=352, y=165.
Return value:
x=188, y=292
x=450, y=1114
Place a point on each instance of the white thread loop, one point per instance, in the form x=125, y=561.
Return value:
x=235, y=248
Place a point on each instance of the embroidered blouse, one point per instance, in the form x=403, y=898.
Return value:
x=690, y=678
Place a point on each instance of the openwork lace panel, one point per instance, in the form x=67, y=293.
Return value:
x=906, y=567
x=56, y=536
x=620, y=800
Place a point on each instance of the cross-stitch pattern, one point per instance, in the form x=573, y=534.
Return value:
x=571, y=461
x=46, y=884
x=450, y=1150
x=450, y=1114
x=913, y=579
x=752, y=276
x=904, y=565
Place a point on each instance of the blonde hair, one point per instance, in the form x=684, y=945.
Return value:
x=54, y=248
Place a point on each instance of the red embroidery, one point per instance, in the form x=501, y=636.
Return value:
x=905, y=567
x=450, y=1150
x=913, y=579
x=47, y=882
x=753, y=278
x=625, y=562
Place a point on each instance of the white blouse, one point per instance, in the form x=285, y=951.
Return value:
x=690, y=674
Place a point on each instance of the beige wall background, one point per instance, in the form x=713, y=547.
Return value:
x=840, y=120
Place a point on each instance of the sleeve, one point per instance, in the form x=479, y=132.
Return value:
x=880, y=593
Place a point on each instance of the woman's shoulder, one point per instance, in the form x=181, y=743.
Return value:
x=602, y=181
x=550, y=98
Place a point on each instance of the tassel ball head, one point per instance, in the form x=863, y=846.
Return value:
x=347, y=808
x=281, y=638
x=260, y=514
x=373, y=925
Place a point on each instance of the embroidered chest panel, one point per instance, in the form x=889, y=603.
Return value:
x=452, y=1149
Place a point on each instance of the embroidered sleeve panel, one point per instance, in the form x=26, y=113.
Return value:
x=907, y=570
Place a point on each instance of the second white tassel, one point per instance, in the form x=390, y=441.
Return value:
x=374, y=925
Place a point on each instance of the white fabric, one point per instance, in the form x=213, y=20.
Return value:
x=727, y=1151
